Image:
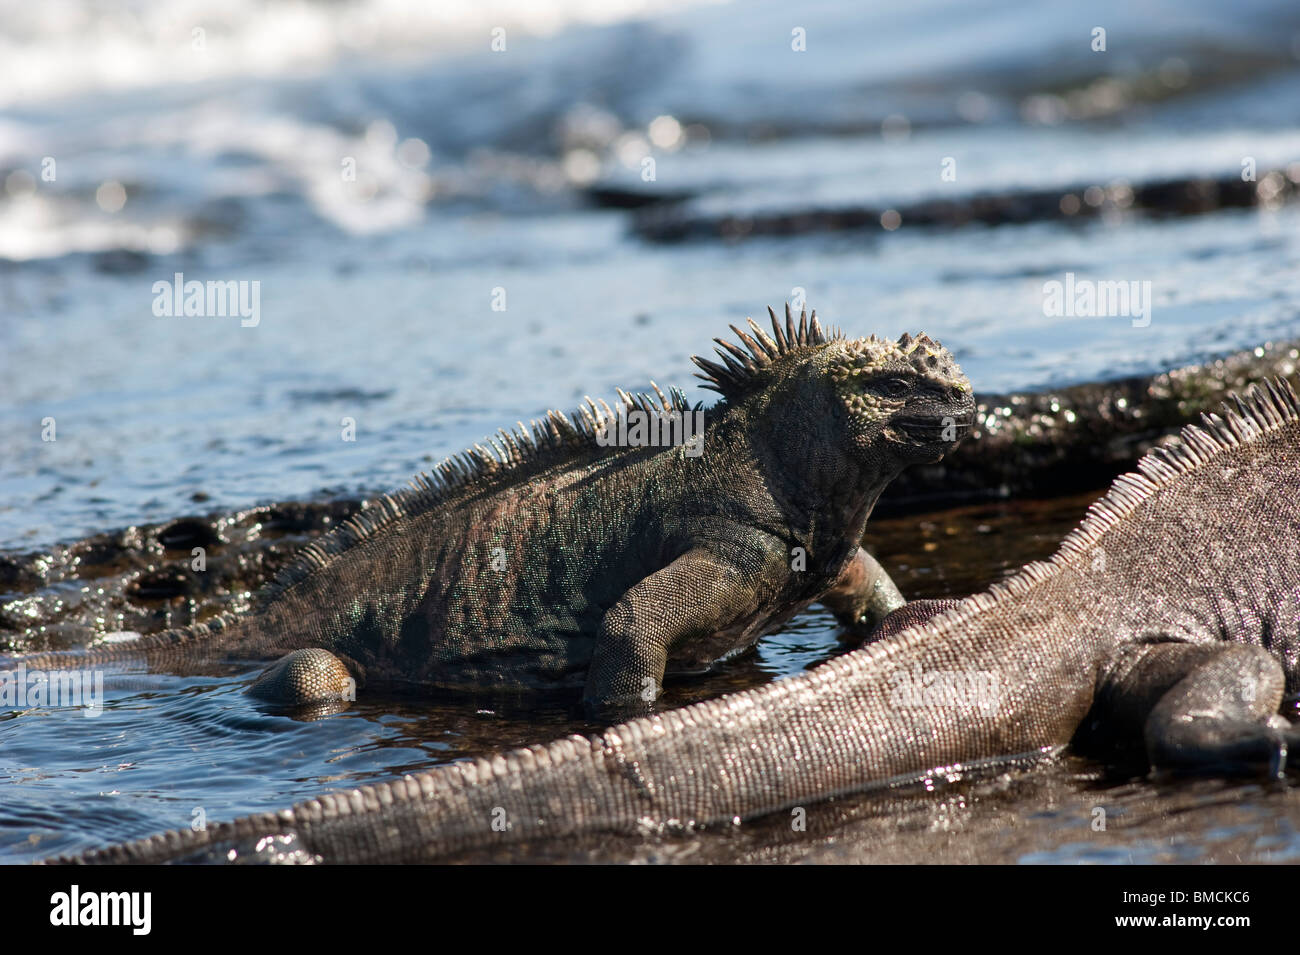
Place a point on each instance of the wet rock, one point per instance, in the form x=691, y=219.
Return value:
x=188, y=533
x=1166, y=198
x=121, y=262
x=165, y=583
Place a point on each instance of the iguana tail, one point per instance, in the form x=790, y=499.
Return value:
x=224, y=632
x=837, y=729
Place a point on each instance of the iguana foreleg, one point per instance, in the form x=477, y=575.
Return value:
x=864, y=594
x=1204, y=707
x=697, y=595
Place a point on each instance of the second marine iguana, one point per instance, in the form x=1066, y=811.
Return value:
x=554, y=560
x=1171, y=615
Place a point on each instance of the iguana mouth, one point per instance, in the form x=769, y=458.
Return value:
x=926, y=429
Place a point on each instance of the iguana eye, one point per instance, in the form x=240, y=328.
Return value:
x=891, y=387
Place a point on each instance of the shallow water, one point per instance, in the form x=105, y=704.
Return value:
x=473, y=176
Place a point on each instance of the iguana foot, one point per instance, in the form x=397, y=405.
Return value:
x=1228, y=746
x=305, y=676
x=1215, y=708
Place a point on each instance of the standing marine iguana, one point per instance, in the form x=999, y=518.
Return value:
x=1170, y=615
x=554, y=560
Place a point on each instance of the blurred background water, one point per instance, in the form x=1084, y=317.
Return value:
x=380, y=170
x=388, y=177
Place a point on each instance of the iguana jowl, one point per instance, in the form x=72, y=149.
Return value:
x=1171, y=615
x=551, y=560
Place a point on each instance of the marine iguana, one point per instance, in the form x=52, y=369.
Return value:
x=1040, y=444
x=1171, y=614
x=555, y=560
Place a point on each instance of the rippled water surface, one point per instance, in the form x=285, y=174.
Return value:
x=478, y=181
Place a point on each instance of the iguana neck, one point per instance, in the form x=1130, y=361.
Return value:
x=821, y=491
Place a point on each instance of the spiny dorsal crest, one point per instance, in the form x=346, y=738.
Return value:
x=744, y=371
x=513, y=455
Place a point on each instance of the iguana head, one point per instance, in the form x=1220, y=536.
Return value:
x=879, y=401
x=907, y=398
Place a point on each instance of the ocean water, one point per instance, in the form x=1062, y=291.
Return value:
x=420, y=215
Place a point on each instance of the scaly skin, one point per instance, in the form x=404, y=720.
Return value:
x=1170, y=616
x=551, y=561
